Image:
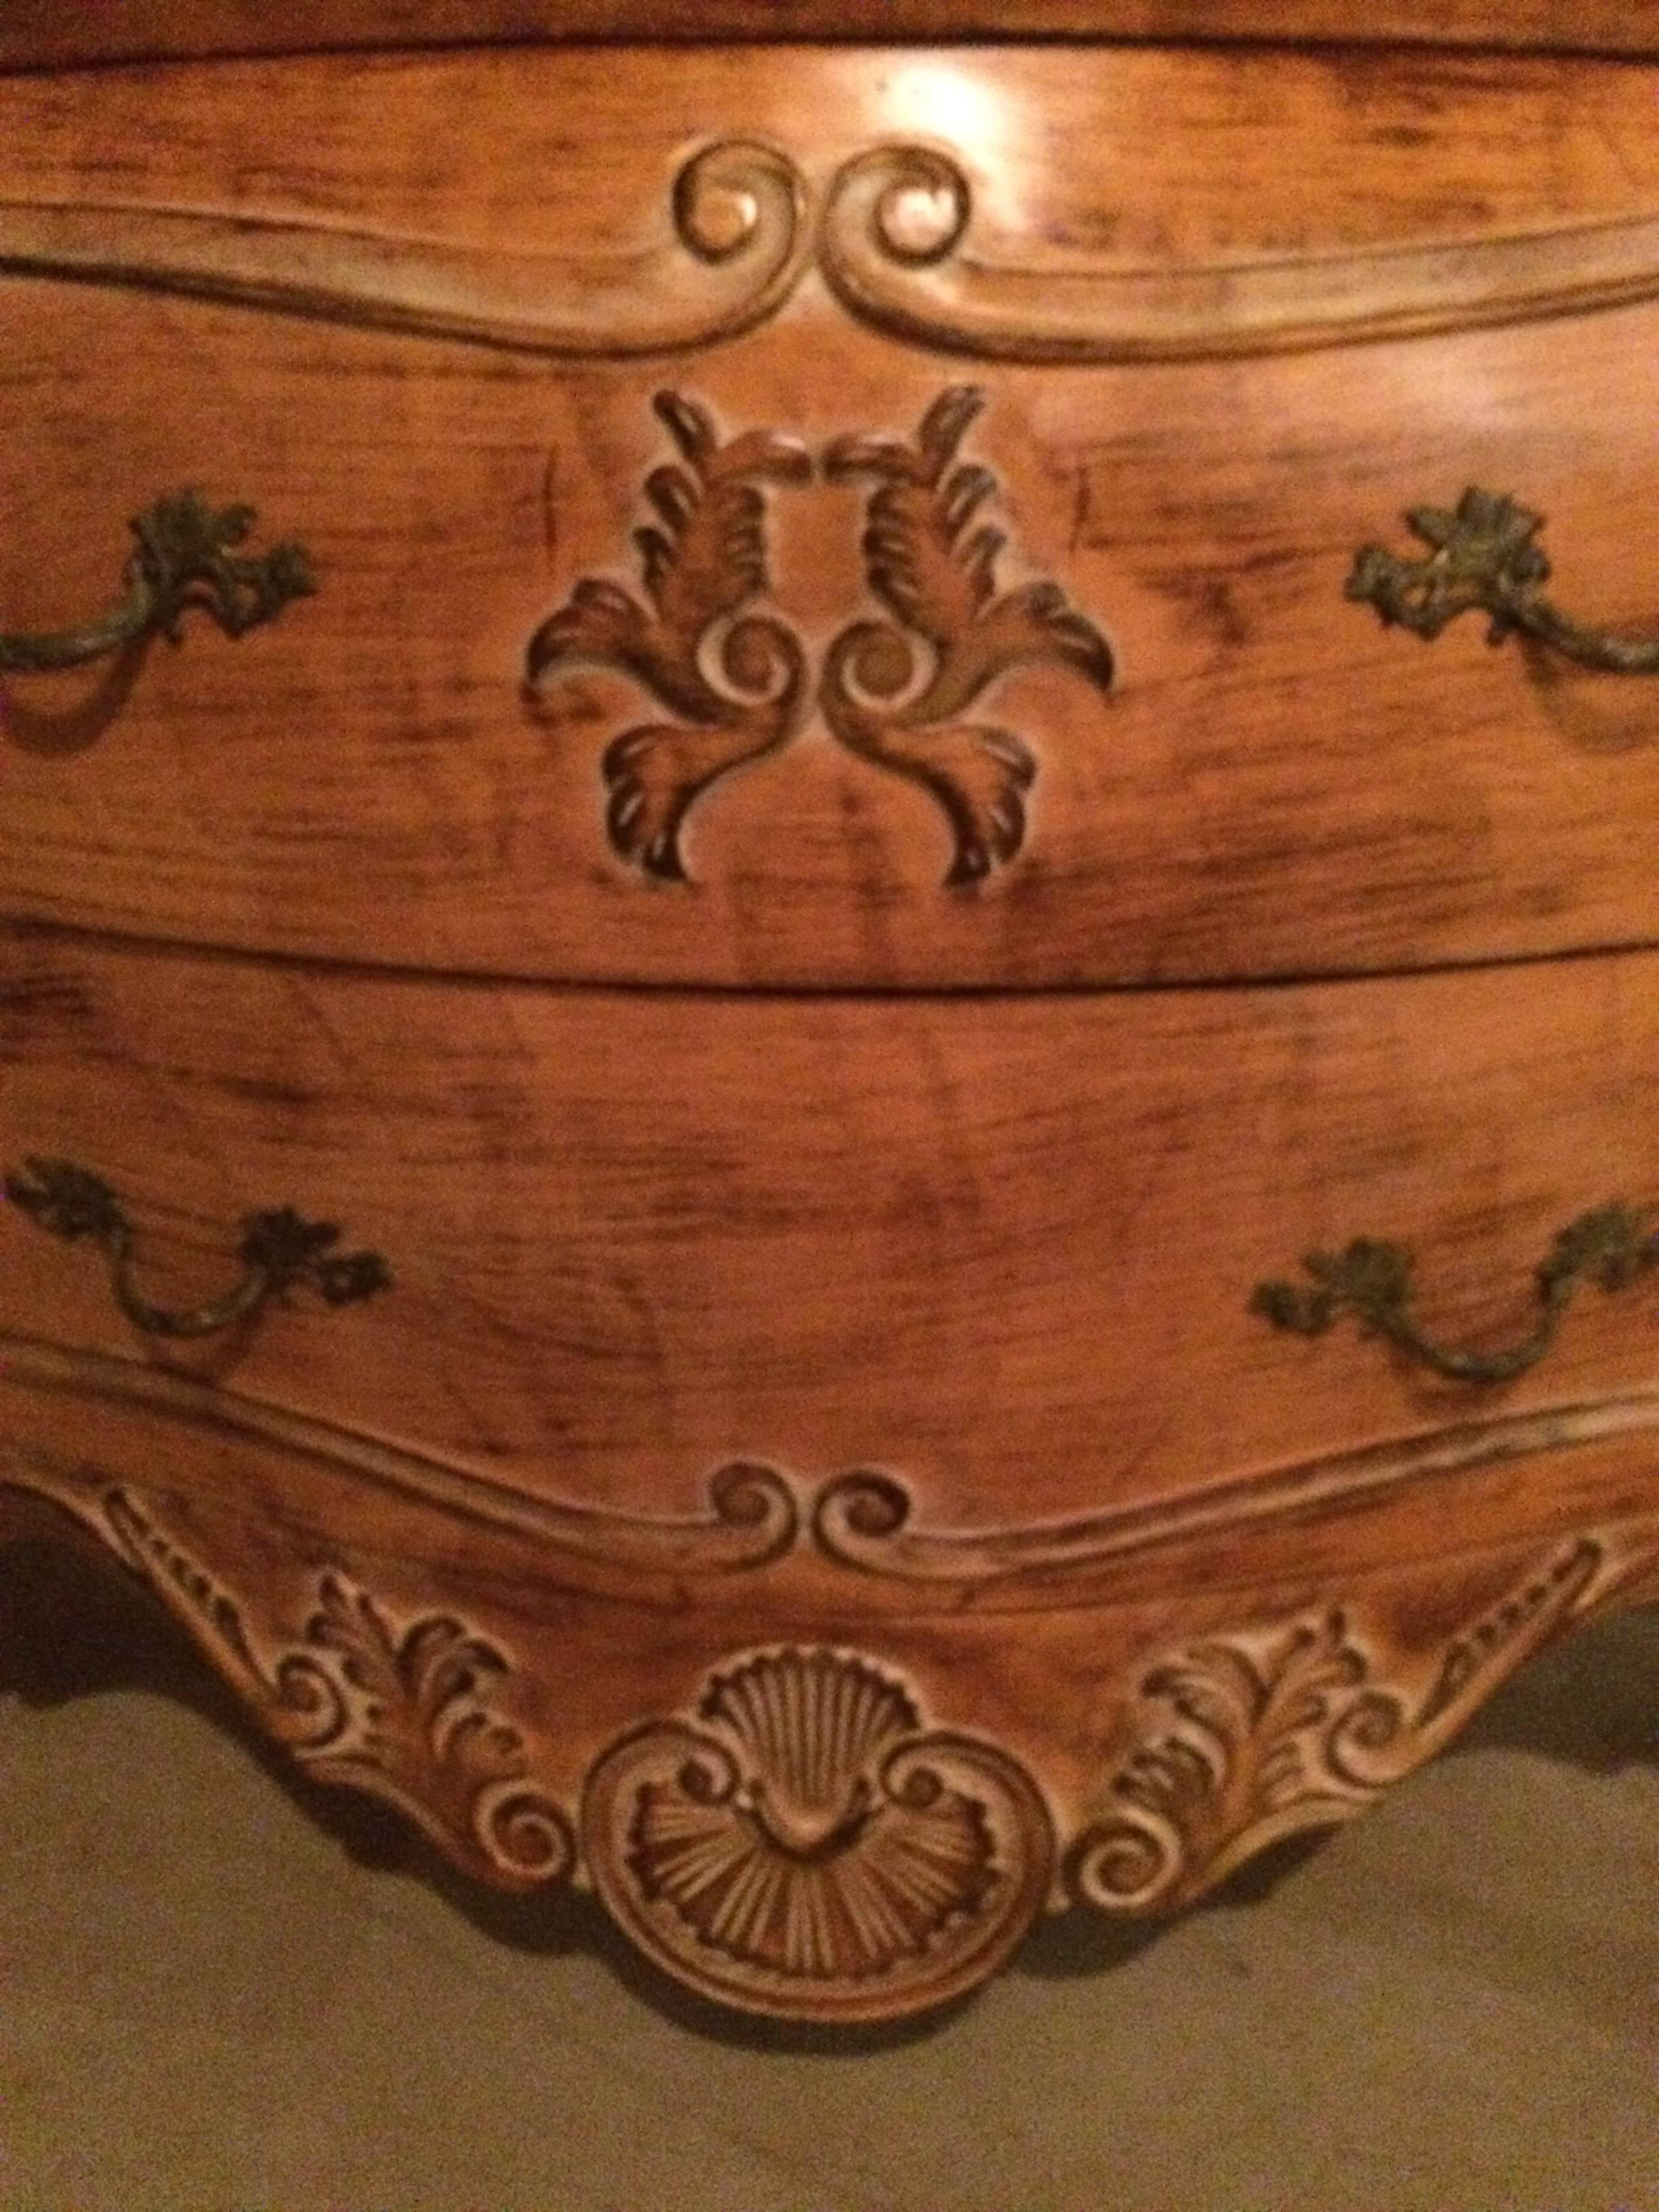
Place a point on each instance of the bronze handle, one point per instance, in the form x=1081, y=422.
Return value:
x=279, y=1250
x=1372, y=1280
x=185, y=557
x=1482, y=555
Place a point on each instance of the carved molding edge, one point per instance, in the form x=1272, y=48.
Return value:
x=803, y=1843
x=893, y=240
x=803, y=1839
x=1240, y=1741
x=898, y=249
x=760, y=1520
x=399, y=1708
x=739, y=242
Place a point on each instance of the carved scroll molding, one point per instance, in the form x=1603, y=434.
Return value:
x=399, y=1708
x=805, y=1839
x=866, y=1519
x=739, y=240
x=753, y=1516
x=803, y=1843
x=827, y=1535
x=898, y=249
x=897, y=693
x=1241, y=1740
x=894, y=241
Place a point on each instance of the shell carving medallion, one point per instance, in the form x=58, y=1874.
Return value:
x=805, y=1838
x=805, y=1845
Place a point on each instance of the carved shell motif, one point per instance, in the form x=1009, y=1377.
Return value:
x=808, y=1849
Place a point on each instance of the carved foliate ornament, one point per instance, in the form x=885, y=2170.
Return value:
x=804, y=1844
x=400, y=1709
x=733, y=681
x=1241, y=1740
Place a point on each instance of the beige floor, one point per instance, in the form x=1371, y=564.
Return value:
x=210, y=2002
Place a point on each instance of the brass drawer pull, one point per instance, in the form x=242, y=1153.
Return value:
x=1372, y=1280
x=279, y=1251
x=185, y=557
x=1482, y=555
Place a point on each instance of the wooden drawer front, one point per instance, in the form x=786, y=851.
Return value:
x=1272, y=783
x=1004, y=1250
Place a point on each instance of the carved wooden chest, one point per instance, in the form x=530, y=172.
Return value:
x=828, y=1029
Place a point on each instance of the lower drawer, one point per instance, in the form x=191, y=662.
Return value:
x=1004, y=1249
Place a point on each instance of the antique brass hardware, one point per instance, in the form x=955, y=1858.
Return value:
x=279, y=1251
x=1483, y=556
x=1373, y=1280
x=185, y=557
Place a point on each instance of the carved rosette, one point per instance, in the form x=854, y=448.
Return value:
x=805, y=1846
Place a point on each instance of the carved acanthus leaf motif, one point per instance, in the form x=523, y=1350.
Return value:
x=937, y=575
x=893, y=693
x=1247, y=1738
x=397, y=1710
x=805, y=1847
x=702, y=568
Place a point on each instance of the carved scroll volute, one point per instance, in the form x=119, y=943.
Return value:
x=1241, y=1740
x=740, y=239
x=898, y=249
x=803, y=1845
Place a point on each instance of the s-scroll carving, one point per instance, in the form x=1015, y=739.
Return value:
x=894, y=693
x=936, y=574
x=901, y=245
x=702, y=568
x=804, y=1844
x=1243, y=1739
x=400, y=1709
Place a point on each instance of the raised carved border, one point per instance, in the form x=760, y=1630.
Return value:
x=894, y=239
x=859, y=1524
x=804, y=1838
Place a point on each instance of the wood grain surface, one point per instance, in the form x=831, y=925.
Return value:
x=39, y=34
x=827, y=557
x=1272, y=784
x=1002, y=1247
x=829, y=1809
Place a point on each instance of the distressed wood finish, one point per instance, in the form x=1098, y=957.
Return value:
x=794, y=1796
x=36, y=33
x=1254, y=795
x=741, y=1172
x=634, y=1235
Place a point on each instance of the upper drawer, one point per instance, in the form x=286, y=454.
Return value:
x=931, y=478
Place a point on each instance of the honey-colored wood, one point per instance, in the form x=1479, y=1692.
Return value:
x=668, y=1153
x=896, y=1791
x=1254, y=794
x=1004, y=1249
x=39, y=34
